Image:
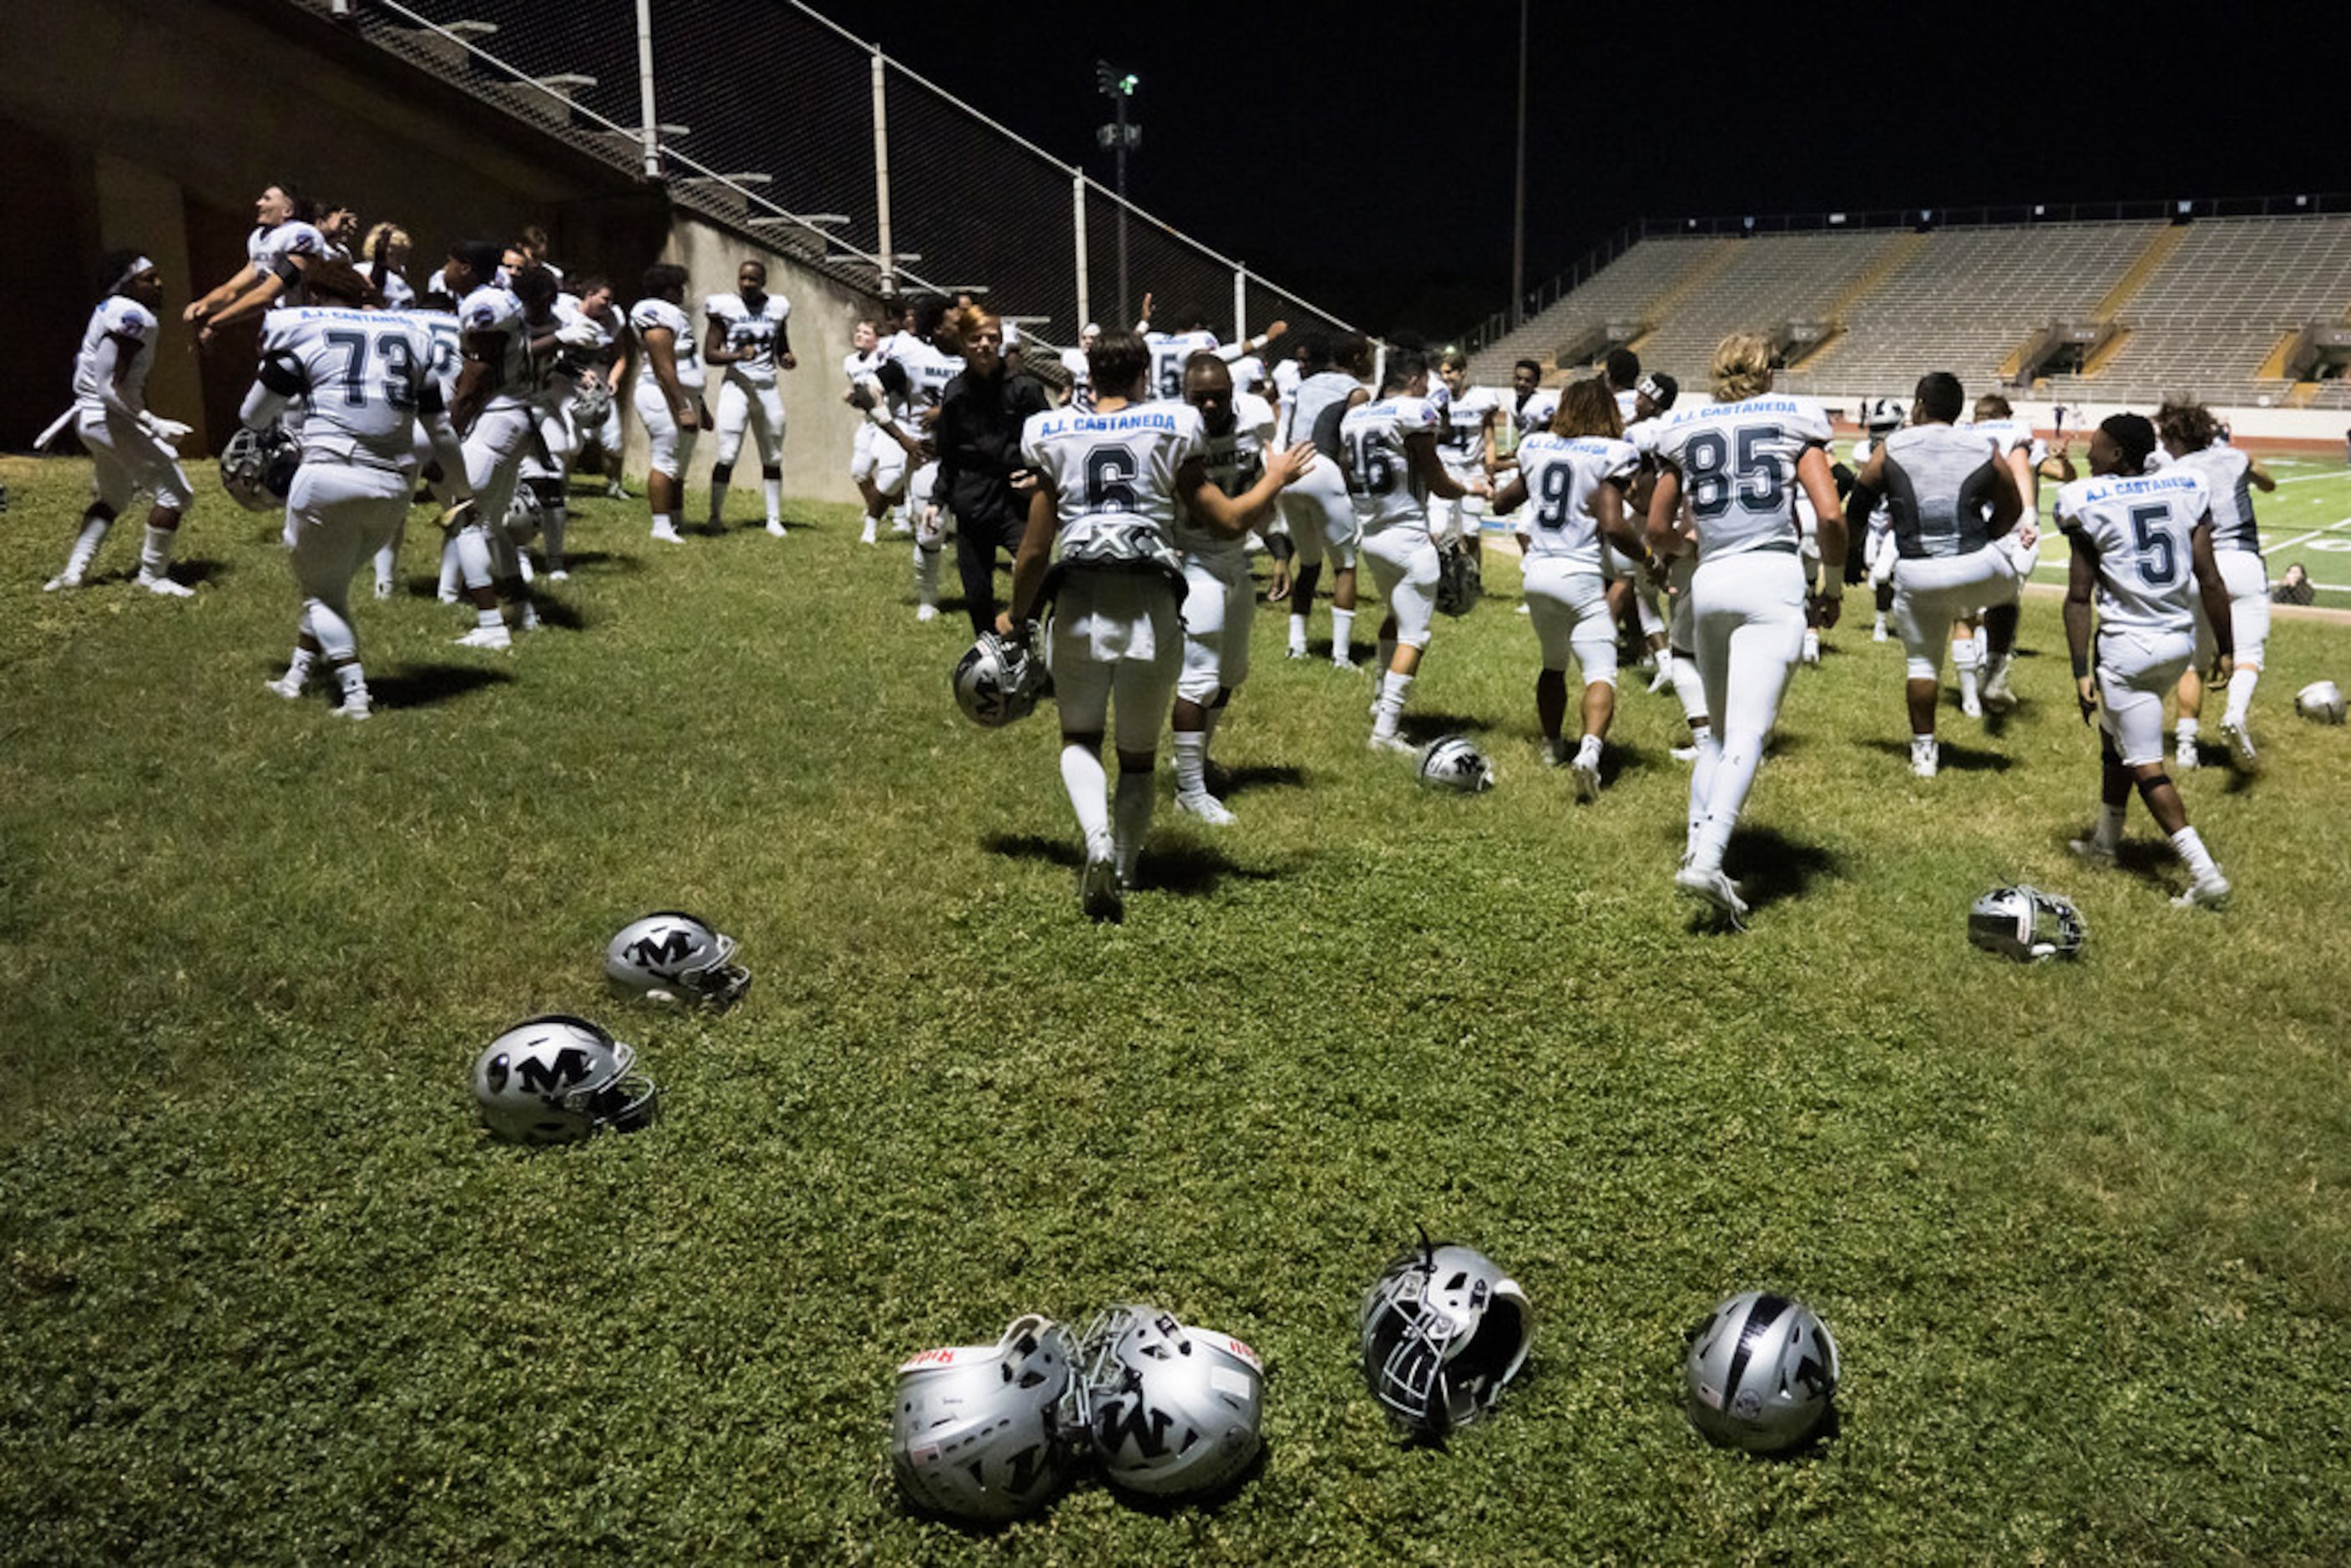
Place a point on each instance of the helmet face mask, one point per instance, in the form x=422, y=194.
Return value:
x=999, y=681
x=256, y=467
x=592, y=403
x=558, y=1079
x=988, y=1433
x=1444, y=1331
x=1452, y=762
x=1762, y=1373
x=1172, y=1410
x=2025, y=924
x=670, y=955
x=2321, y=702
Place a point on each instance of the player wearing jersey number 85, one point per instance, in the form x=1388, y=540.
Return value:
x=1108, y=483
x=1739, y=460
x=2140, y=541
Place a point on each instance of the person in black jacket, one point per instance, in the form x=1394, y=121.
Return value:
x=979, y=438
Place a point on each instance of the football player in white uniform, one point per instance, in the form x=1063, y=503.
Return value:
x=1532, y=404
x=2143, y=545
x=877, y=463
x=1317, y=511
x=1953, y=502
x=1393, y=469
x=129, y=448
x=1081, y=378
x=1738, y=459
x=668, y=394
x=1466, y=444
x=369, y=378
x=913, y=380
x=595, y=413
x=497, y=384
x=1577, y=474
x=283, y=247
x=1109, y=483
x=1219, y=596
x=2021, y=452
x=565, y=343
x=1170, y=351
x=1652, y=398
x=2195, y=441
x=750, y=335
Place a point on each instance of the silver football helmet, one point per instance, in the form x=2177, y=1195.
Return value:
x=1453, y=762
x=1883, y=415
x=1459, y=582
x=557, y=1079
x=256, y=467
x=1174, y=1410
x=999, y=680
x=525, y=515
x=1444, y=1330
x=670, y=955
x=1761, y=1370
x=2027, y=925
x=988, y=1432
x=592, y=406
x=2321, y=702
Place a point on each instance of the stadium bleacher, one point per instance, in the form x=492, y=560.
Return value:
x=2205, y=307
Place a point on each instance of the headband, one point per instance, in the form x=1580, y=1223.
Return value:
x=133, y=270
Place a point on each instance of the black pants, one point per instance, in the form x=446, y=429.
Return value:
x=976, y=547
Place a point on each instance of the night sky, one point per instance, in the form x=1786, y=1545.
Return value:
x=1363, y=154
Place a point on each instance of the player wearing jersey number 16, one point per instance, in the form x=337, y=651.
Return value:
x=1108, y=486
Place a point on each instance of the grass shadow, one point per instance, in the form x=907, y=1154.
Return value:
x=424, y=686
x=553, y=611
x=1189, y=870
x=1063, y=853
x=1262, y=776
x=1420, y=728
x=1772, y=867
x=1951, y=756
x=195, y=573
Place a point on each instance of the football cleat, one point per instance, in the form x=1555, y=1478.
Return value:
x=1714, y=892
x=486, y=637
x=155, y=582
x=2089, y=852
x=1206, y=807
x=1586, y=776
x=1098, y=891
x=2206, y=892
x=2240, y=746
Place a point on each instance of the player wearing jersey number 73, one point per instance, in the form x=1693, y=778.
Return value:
x=1739, y=460
x=1108, y=486
x=2139, y=543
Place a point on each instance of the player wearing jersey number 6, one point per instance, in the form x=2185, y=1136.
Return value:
x=1108, y=486
x=1739, y=460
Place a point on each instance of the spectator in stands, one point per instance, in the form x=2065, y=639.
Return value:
x=978, y=437
x=2294, y=587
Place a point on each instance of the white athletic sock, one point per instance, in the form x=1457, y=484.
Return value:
x=1587, y=753
x=485, y=619
x=1343, y=634
x=450, y=575
x=772, y=491
x=1966, y=659
x=1734, y=777
x=85, y=549
x=2187, y=732
x=1191, y=762
x=297, y=668
x=387, y=559
x=1137, y=792
x=2192, y=849
x=1082, y=777
x=1392, y=688
x=2241, y=692
x=156, y=556
x=1691, y=690
x=2108, y=834
x=354, y=679
x=1297, y=632
x=1710, y=754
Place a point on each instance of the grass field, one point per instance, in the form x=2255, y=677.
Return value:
x=267, y=1295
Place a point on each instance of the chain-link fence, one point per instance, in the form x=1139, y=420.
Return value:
x=766, y=118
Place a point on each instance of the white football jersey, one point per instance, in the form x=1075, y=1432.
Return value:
x=515, y=379
x=1537, y=411
x=447, y=341
x=1940, y=481
x=1738, y=466
x=1561, y=476
x=116, y=317
x=268, y=249
x=1169, y=352
x=2011, y=434
x=1081, y=377
x=397, y=294
x=1285, y=378
x=1115, y=469
x=753, y=332
x=926, y=366
x=363, y=375
x=1628, y=406
x=1236, y=462
x=1313, y=399
x=654, y=311
x=2229, y=473
x=2139, y=529
x=1248, y=373
x=1380, y=477
x=1462, y=442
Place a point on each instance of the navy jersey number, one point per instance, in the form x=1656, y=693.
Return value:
x=1753, y=482
x=2159, y=556
x=1110, y=479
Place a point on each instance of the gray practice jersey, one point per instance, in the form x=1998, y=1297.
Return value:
x=1939, y=482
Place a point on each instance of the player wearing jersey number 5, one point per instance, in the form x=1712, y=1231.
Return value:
x=1739, y=460
x=1109, y=483
x=2142, y=544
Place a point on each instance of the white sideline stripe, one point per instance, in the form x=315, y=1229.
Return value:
x=2305, y=539
x=2306, y=478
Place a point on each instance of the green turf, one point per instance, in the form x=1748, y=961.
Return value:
x=267, y=1295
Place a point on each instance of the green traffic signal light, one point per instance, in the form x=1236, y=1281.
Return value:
x=1128, y=84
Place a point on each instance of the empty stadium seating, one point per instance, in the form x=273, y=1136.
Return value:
x=2201, y=309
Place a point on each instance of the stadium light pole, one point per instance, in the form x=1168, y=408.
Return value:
x=1119, y=88
x=1518, y=213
